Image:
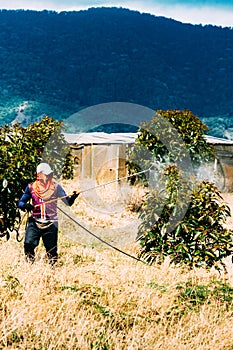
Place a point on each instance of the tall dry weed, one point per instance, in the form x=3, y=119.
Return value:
x=98, y=298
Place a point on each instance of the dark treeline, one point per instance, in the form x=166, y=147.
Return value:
x=63, y=62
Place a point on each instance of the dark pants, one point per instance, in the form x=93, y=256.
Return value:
x=49, y=237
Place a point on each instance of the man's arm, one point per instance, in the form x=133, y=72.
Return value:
x=22, y=203
x=69, y=200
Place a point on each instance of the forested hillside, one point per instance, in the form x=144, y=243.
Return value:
x=58, y=63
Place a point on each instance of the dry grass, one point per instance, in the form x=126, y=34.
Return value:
x=97, y=298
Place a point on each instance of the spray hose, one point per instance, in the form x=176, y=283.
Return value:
x=101, y=240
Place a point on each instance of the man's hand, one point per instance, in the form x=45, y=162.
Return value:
x=28, y=207
x=73, y=197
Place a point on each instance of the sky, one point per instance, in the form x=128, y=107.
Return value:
x=215, y=12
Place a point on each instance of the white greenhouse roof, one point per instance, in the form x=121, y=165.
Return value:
x=105, y=138
x=100, y=138
x=218, y=140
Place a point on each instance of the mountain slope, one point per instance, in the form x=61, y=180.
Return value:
x=63, y=62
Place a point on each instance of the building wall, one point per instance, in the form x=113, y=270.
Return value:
x=225, y=159
x=106, y=162
x=101, y=162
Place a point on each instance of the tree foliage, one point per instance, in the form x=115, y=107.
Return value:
x=163, y=139
x=180, y=217
x=21, y=149
x=64, y=64
x=200, y=238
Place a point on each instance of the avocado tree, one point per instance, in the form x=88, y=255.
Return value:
x=157, y=140
x=180, y=217
x=200, y=238
x=21, y=149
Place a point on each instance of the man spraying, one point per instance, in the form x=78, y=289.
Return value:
x=43, y=222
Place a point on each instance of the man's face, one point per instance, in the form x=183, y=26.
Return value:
x=42, y=178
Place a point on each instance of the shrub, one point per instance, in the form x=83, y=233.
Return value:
x=199, y=237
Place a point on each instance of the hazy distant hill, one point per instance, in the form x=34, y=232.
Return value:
x=62, y=62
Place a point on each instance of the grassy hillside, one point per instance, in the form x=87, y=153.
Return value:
x=97, y=298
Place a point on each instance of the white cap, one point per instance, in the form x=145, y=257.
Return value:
x=44, y=168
